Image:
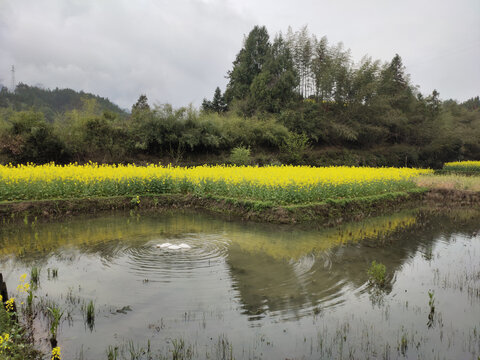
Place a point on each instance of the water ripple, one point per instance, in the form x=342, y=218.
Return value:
x=162, y=264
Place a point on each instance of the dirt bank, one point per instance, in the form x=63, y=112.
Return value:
x=328, y=212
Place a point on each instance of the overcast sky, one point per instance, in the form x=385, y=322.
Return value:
x=179, y=51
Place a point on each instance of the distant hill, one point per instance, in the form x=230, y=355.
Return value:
x=51, y=102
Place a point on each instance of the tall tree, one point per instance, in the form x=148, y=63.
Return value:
x=218, y=101
x=141, y=104
x=274, y=88
x=301, y=46
x=248, y=64
x=394, y=84
x=321, y=70
x=217, y=104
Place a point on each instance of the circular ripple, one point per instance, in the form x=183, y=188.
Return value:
x=161, y=264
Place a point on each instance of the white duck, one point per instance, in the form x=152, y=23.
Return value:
x=164, y=245
x=173, y=246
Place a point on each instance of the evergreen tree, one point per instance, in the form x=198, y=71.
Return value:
x=141, y=104
x=207, y=105
x=274, y=88
x=248, y=64
x=218, y=101
x=217, y=104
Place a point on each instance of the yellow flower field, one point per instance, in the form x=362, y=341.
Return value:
x=462, y=166
x=279, y=184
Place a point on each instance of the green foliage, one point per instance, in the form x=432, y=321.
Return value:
x=248, y=64
x=29, y=138
x=35, y=277
x=240, y=156
x=294, y=148
x=141, y=104
x=217, y=104
x=15, y=344
x=55, y=315
x=377, y=274
x=294, y=84
x=51, y=102
x=431, y=304
x=90, y=314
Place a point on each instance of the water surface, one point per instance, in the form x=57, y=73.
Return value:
x=256, y=290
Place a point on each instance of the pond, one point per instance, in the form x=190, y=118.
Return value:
x=253, y=291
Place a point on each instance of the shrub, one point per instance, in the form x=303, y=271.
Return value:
x=240, y=156
x=294, y=147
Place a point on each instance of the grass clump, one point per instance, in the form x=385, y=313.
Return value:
x=35, y=277
x=56, y=314
x=90, y=314
x=377, y=274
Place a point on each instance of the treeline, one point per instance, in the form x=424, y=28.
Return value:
x=51, y=102
x=294, y=99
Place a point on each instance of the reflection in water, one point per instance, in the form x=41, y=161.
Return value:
x=235, y=275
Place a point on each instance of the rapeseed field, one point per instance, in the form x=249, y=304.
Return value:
x=472, y=167
x=278, y=184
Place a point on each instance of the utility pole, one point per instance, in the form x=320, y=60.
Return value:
x=13, y=79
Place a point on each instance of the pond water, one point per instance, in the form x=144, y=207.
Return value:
x=254, y=291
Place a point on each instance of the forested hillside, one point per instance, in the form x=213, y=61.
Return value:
x=294, y=98
x=50, y=102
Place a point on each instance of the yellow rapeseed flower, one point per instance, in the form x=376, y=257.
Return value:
x=289, y=184
x=56, y=353
x=9, y=304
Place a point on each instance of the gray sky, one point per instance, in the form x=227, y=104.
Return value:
x=179, y=51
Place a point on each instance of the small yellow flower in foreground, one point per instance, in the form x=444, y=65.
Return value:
x=1, y=298
x=23, y=287
x=9, y=304
x=56, y=353
x=4, y=338
x=23, y=277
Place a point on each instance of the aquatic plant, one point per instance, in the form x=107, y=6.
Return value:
x=431, y=304
x=90, y=314
x=112, y=352
x=377, y=274
x=180, y=351
x=55, y=315
x=35, y=276
x=54, y=273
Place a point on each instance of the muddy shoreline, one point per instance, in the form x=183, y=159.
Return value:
x=329, y=212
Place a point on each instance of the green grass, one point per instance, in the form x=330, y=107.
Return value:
x=18, y=346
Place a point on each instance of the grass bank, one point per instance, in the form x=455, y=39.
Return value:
x=331, y=211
